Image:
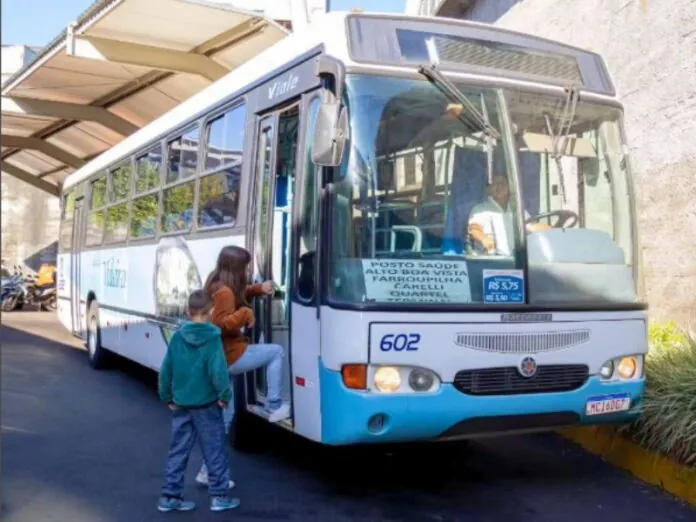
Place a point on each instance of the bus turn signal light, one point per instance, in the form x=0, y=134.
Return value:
x=355, y=376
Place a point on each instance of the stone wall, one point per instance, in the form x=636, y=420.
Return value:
x=650, y=49
x=30, y=220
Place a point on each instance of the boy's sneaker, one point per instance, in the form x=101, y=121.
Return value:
x=166, y=504
x=223, y=503
x=280, y=414
x=202, y=479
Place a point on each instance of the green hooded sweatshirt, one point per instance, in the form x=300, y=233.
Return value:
x=194, y=371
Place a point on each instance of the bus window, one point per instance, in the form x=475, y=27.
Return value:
x=116, y=223
x=218, y=199
x=95, y=221
x=65, y=235
x=148, y=170
x=182, y=156
x=98, y=194
x=225, y=139
x=120, y=183
x=144, y=218
x=177, y=208
x=95, y=228
x=66, y=222
x=68, y=205
x=116, y=217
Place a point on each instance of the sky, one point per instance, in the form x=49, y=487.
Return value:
x=37, y=22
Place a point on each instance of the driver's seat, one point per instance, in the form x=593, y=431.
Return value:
x=468, y=188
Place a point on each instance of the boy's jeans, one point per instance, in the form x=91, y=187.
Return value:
x=257, y=356
x=206, y=425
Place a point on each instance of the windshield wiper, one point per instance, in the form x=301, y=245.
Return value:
x=563, y=133
x=471, y=114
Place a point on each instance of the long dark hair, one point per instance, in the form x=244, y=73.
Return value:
x=230, y=271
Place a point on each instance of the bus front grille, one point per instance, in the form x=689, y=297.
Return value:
x=522, y=342
x=508, y=381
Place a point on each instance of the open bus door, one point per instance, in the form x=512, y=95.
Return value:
x=282, y=236
x=270, y=239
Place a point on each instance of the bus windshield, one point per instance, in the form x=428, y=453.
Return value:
x=425, y=208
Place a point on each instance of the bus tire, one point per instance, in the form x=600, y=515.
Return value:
x=97, y=355
x=246, y=431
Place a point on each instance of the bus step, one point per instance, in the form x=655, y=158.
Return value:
x=259, y=410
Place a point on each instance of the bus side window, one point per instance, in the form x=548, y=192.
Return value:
x=309, y=215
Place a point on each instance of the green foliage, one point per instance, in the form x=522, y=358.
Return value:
x=668, y=422
x=665, y=335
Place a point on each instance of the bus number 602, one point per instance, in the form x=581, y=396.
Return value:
x=400, y=342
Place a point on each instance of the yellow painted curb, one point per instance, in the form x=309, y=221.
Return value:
x=648, y=466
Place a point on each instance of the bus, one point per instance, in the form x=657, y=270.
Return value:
x=445, y=208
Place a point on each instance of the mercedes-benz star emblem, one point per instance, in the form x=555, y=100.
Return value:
x=528, y=367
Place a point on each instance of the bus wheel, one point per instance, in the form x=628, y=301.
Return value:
x=96, y=354
x=247, y=430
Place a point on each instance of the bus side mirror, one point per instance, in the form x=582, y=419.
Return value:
x=330, y=134
x=331, y=128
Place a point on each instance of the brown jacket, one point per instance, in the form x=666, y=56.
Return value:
x=230, y=318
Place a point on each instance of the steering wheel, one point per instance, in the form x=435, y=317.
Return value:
x=563, y=216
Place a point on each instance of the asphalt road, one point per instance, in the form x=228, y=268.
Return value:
x=86, y=446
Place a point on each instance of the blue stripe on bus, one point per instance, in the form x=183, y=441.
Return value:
x=411, y=417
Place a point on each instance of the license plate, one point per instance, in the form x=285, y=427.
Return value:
x=603, y=404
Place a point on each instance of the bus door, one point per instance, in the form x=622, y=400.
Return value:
x=271, y=233
x=77, y=309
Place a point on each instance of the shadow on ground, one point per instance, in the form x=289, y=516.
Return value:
x=80, y=445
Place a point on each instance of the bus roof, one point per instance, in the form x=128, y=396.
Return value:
x=331, y=32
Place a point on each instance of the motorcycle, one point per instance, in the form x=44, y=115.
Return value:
x=13, y=293
x=19, y=291
x=43, y=297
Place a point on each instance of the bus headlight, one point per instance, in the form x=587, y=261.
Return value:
x=421, y=380
x=607, y=370
x=622, y=368
x=387, y=379
x=627, y=367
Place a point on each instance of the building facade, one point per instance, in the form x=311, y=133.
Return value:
x=650, y=49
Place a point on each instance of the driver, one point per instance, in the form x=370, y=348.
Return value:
x=491, y=221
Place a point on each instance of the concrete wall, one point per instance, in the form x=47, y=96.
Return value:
x=650, y=49
x=30, y=220
x=30, y=217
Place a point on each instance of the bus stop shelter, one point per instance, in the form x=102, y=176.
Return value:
x=121, y=65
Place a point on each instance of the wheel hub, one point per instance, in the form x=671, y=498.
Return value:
x=92, y=338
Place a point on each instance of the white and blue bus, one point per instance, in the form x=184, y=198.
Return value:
x=446, y=209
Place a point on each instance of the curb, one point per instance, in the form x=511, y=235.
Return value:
x=650, y=467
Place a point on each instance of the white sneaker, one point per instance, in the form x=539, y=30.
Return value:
x=202, y=479
x=280, y=414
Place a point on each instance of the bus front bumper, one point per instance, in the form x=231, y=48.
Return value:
x=354, y=417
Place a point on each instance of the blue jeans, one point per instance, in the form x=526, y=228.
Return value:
x=257, y=356
x=205, y=425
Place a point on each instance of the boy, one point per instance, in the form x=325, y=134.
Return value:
x=194, y=383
